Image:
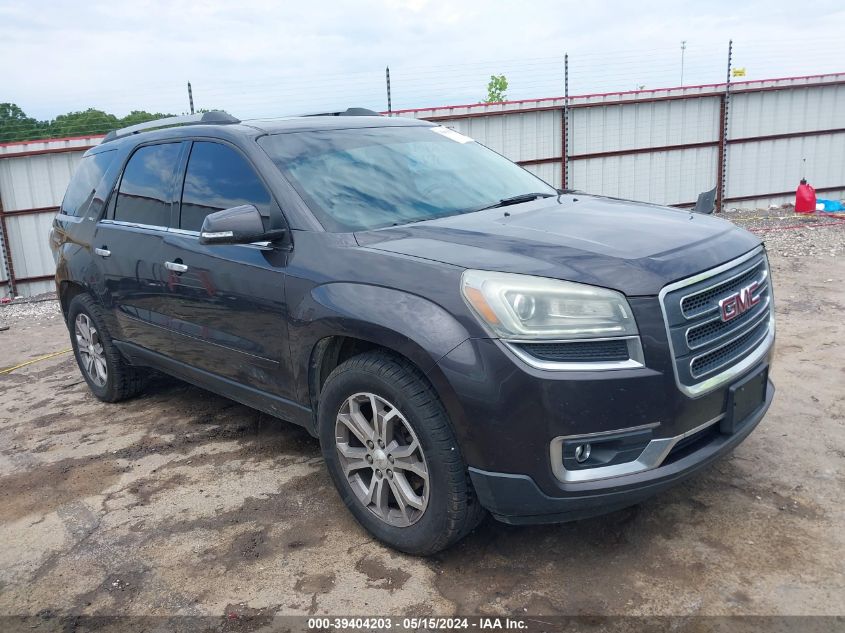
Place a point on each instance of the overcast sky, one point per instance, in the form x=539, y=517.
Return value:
x=266, y=58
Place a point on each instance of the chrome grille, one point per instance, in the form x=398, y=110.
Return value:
x=715, y=329
x=705, y=301
x=707, y=350
x=721, y=356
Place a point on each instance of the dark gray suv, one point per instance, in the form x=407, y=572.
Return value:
x=461, y=337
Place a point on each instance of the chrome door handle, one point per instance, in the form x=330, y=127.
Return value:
x=102, y=252
x=176, y=267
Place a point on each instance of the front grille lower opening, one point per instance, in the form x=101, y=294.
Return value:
x=691, y=444
x=578, y=351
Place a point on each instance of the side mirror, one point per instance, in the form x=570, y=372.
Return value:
x=238, y=225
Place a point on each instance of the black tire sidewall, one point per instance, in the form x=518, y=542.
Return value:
x=420, y=536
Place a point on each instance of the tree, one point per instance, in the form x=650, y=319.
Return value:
x=496, y=89
x=91, y=121
x=15, y=125
x=140, y=116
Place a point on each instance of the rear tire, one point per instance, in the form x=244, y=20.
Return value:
x=399, y=472
x=107, y=373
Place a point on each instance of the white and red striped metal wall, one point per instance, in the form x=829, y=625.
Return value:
x=33, y=179
x=663, y=146
x=666, y=145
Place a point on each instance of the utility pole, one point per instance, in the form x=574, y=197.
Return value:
x=387, y=76
x=683, y=48
x=190, y=97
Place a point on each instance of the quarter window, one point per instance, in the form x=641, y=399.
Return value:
x=217, y=178
x=84, y=183
x=146, y=189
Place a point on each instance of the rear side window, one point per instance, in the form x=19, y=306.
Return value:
x=83, y=185
x=146, y=189
x=217, y=178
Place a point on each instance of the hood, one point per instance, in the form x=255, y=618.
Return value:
x=631, y=247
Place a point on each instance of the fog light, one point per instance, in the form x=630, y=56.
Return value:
x=582, y=453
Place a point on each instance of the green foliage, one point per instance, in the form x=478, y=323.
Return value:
x=90, y=121
x=139, y=116
x=496, y=89
x=16, y=126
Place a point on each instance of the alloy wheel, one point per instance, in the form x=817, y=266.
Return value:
x=382, y=459
x=90, y=350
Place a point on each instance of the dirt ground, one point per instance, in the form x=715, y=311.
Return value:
x=181, y=502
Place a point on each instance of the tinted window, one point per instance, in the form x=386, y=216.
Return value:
x=147, y=185
x=84, y=183
x=217, y=178
x=372, y=177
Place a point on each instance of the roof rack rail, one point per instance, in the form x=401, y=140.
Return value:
x=214, y=117
x=347, y=112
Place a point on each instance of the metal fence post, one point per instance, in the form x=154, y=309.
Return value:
x=564, y=125
x=190, y=97
x=724, y=116
x=7, y=254
x=387, y=77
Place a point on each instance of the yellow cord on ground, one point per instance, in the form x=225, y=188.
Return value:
x=9, y=370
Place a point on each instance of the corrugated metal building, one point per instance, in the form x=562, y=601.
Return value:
x=664, y=146
x=668, y=145
x=33, y=179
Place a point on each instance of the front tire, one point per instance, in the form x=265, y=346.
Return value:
x=107, y=373
x=391, y=453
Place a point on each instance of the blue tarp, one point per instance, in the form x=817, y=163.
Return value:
x=831, y=206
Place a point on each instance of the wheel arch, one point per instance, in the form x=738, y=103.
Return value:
x=348, y=319
x=68, y=290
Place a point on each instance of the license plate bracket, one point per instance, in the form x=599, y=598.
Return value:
x=744, y=398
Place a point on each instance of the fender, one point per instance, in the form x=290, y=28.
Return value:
x=415, y=327
x=75, y=265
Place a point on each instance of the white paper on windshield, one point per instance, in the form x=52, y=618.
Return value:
x=450, y=134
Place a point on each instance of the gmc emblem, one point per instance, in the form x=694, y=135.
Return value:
x=739, y=302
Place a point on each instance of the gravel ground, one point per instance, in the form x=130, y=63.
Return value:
x=42, y=306
x=790, y=234
x=180, y=502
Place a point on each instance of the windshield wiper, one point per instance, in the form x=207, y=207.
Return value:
x=504, y=202
x=523, y=197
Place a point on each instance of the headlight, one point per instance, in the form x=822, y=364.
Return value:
x=521, y=307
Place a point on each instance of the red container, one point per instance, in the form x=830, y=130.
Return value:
x=805, y=198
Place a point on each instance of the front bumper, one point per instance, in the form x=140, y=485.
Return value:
x=507, y=416
x=517, y=499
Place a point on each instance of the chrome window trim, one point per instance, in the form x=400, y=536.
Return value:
x=714, y=382
x=173, y=231
x=64, y=217
x=635, y=355
x=652, y=456
x=137, y=225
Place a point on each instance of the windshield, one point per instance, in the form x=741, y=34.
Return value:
x=367, y=178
